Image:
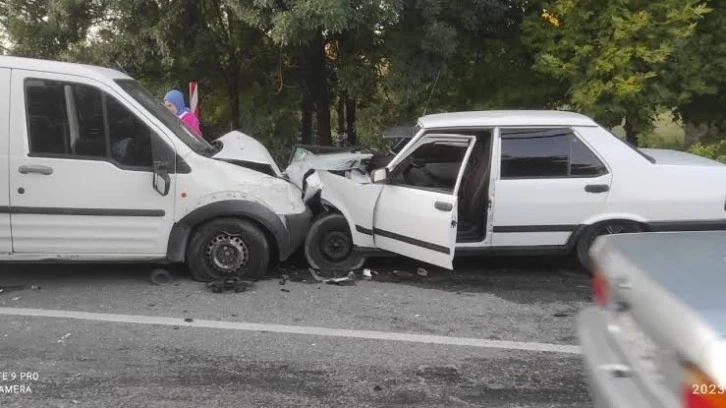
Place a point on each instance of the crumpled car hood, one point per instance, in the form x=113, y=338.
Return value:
x=327, y=161
x=237, y=146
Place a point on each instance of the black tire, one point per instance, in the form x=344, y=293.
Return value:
x=228, y=248
x=593, y=232
x=329, y=245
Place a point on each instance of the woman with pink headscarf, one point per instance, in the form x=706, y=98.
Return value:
x=174, y=101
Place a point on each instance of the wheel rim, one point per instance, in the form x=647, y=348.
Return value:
x=227, y=253
x=336, y=246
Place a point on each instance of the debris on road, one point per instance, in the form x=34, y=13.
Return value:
x=160, y=276
x=422, y=272
x=403, y=274
x=235, y=284
x=283, y=279
x=188, y=320
x=367, y=274
x=64, y=338
x=347, y=280
x=285, y=290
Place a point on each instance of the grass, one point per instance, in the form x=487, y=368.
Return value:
x=668, y=134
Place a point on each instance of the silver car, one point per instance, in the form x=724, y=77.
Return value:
x=656, y=335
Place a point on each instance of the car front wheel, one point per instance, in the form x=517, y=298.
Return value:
x=329, y=245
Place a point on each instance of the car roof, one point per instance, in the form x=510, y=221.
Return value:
x=505, y=118
x=67, y=68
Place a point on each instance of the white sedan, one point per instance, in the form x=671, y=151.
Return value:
x=514, y=182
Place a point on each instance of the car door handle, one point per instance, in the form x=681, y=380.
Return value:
x=44, y=170
x=441, y=206
x=597, y=188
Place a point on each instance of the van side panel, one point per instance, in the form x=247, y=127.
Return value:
x=5, y=233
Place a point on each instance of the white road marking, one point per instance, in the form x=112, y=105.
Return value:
x=277, y=328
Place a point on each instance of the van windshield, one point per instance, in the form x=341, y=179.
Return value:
x=157, y=108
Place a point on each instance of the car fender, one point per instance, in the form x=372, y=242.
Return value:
x=355, y=201
x=270, y=222
x=615, y=216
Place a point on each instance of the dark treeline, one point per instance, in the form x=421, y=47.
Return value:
x=289, y=71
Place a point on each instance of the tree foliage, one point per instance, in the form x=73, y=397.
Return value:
x=306, y=70
x=613, y=55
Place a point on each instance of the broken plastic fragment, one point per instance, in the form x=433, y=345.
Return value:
x=349, y=279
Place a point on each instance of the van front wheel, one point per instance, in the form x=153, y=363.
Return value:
x=228, y=248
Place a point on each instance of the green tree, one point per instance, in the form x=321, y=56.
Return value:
x=48, y=28
x=322, y=38
x=613, y=55
x=698, y=68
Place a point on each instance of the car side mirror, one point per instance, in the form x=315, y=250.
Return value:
x=161, y=181
x=379, y=175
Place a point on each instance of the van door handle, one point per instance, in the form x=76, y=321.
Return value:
x=442, y=206
x=44, y=170
x=597, y=188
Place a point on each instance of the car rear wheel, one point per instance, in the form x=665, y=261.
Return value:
x=329, y=245
x=593, y=232
x=228, y=248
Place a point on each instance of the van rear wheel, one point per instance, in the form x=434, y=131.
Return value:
x=228, y=248
x=593, y=232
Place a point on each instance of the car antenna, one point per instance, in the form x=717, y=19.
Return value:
x=432, y=92
x=120, y=67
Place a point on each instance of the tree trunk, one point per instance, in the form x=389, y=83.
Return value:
x=318, y=74
x=630, y=134
x=322, y=115
x=341, y=112
x=233, y=96
x=350, y=119
x=307, y=119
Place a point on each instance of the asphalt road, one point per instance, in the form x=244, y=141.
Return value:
x=89, y=363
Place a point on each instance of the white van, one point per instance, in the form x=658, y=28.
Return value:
x=99, y=170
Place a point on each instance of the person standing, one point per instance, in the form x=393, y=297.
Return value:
x=174, y=101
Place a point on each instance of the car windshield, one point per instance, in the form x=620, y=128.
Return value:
x=157, y=108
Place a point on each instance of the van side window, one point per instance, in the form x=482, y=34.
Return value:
x=78, y=121
x=546, y=153
x=48, y=127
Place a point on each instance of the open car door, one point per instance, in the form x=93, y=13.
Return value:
x=416, y=212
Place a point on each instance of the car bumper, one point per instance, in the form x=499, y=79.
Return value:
x=599, y=354
x=297, y=228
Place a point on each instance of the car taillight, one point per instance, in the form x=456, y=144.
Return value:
x=599, y=288
x=700, y=391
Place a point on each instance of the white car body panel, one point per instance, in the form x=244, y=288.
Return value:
x=678, y=191
x=94, y=185
x=357, y=203
x=6, y=244
x=237, y=145
x=332, y=161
